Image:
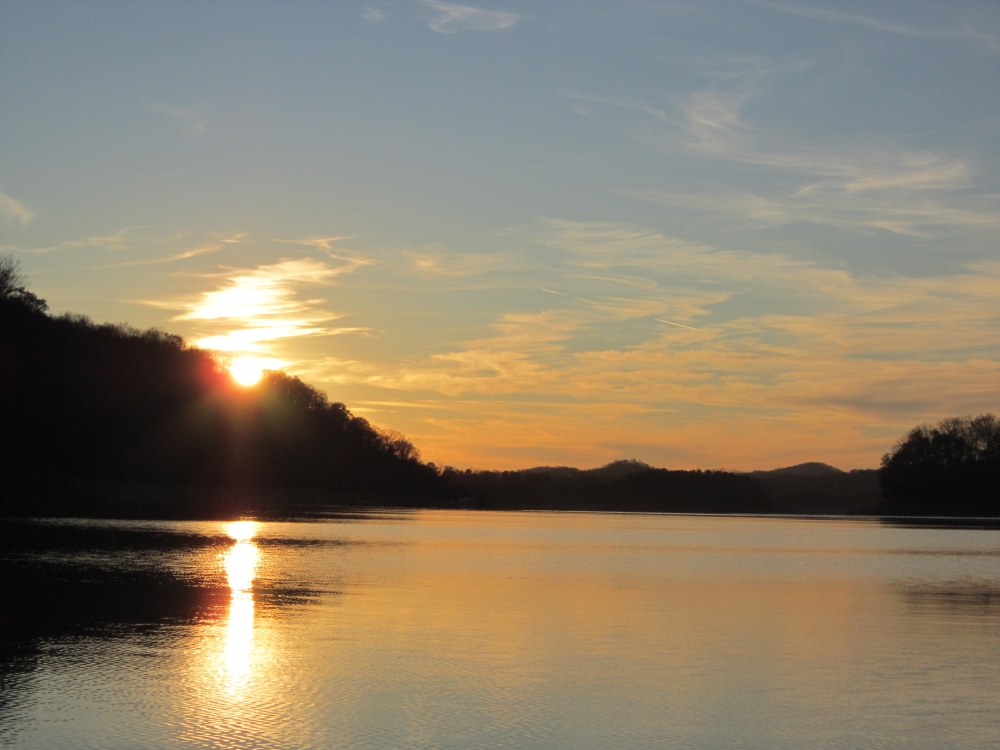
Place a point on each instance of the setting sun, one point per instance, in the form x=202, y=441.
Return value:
x=246, y=370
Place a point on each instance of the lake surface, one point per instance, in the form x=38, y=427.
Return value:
x=450, y=629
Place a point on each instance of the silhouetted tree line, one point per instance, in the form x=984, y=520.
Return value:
x=113, y=404
x=619, y=486
x=951, y=469
x=109, y=402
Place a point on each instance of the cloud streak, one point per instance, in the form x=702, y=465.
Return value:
x=452, y=18
x=191, y=119
x=878, y=185
x=766, y=358
x=122, y=240
x=920, y=219
x=436, y=261
x=989, y=42
x=142, y=240
x=191, y=252
x=15, y=211
x=255, y=310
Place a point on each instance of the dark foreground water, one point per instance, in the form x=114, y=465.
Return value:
x=474, y=630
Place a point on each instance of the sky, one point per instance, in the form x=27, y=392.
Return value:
x=735, y=234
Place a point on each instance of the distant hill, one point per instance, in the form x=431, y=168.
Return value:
x=818, y=488
x=810, y=469
x=809, y=488
x=613, y=470
x=620, y=486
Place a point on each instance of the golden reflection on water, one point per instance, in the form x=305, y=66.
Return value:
x=240, y=563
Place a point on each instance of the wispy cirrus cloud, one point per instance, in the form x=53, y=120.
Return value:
x=153, y=245
x=436, y=260
x=711, y=124
x=320, y=243
x=882, y=185
x=192, y=251
x=167, y=174
x=373, y=15
x=122, y=240
x=15, y=211
x=965, y=29
x=875, y=184
x=917, y=218
x=721, y=352
x=451, y=18
x=254, y=310
x=192, y=121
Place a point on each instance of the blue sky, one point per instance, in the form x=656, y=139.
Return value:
x=733, y=234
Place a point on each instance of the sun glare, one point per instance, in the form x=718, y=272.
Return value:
x=241, y=531
x=246, y=370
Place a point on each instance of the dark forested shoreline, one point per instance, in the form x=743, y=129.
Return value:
x=109, y=421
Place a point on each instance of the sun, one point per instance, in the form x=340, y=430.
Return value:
x=246, y=370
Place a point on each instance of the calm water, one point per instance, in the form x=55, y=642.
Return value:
x=474, y=630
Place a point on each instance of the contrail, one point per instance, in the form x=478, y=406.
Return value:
x=562, y=294
x=671, y=323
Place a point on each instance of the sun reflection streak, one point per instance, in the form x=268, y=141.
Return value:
x=240, y=563
x=242, y=531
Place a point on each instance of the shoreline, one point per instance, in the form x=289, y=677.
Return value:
x=324, y=512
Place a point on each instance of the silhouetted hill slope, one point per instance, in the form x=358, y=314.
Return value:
x=809, y=469
x=111, y=403
x=101, y=412
x=619, y=469
x=613, y=470
x=817, y=488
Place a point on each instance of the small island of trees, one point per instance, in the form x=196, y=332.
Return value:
x=951, y=469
